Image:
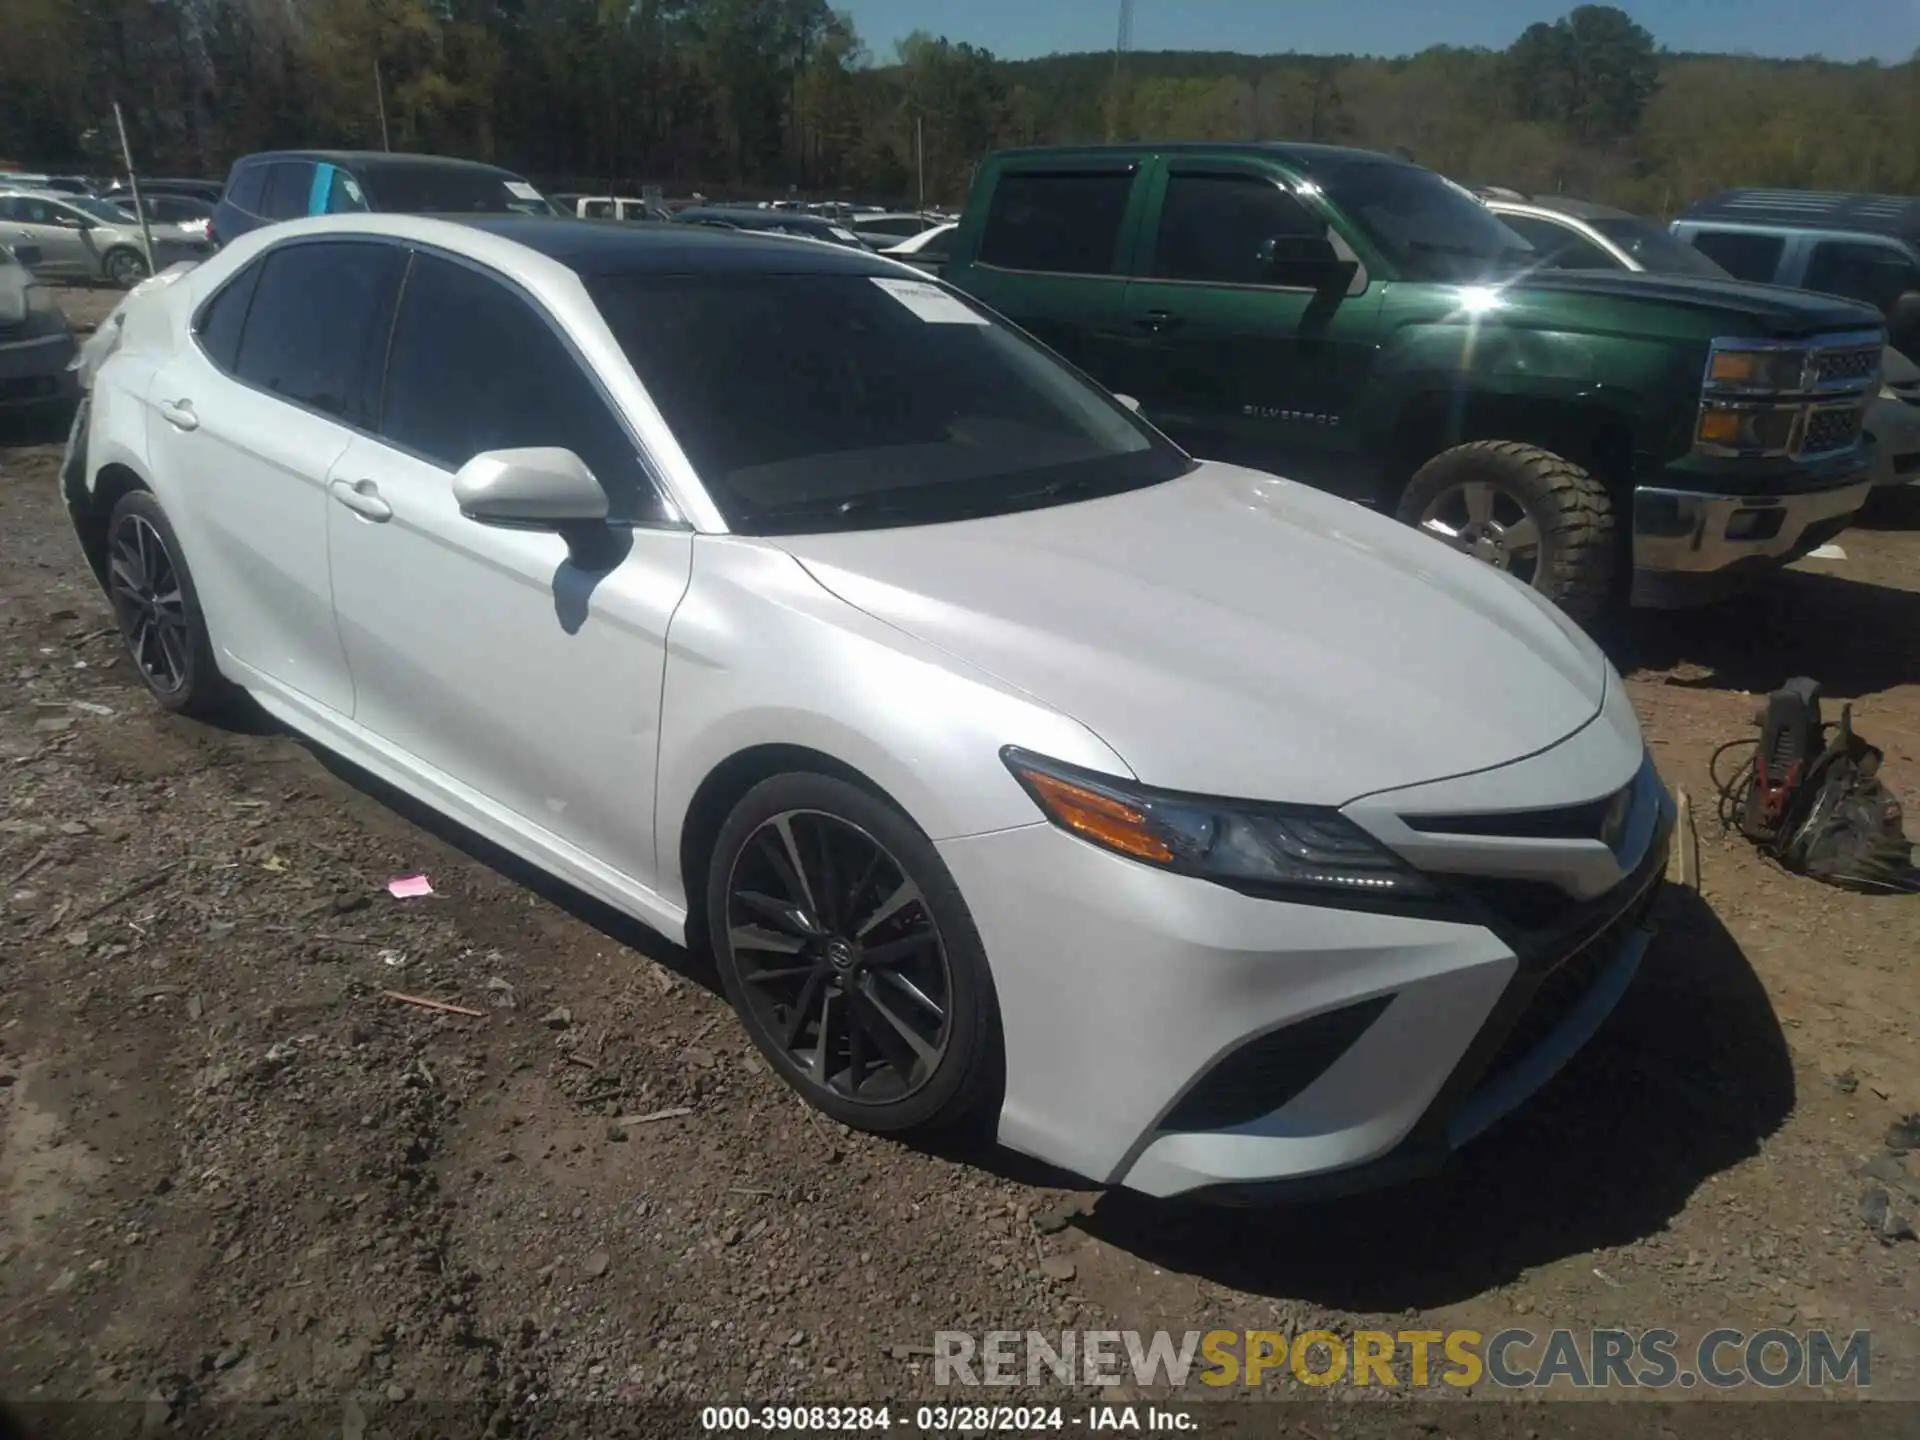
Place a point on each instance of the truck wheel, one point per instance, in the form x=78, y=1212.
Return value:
x=1525, y=510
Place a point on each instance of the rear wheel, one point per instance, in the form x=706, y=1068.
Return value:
x=844, y=944
x=1525, y=510
x=125, y=268
x=158, y=609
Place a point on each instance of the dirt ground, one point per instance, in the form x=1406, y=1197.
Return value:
x=231, y=1169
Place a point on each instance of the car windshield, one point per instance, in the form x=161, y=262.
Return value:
x=104, y=211
x=821, y=402
x=1429, y=227
x=1656, y=249
x=450, y=190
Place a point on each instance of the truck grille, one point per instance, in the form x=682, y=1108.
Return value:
x=1829, y=430
x=1835, y=367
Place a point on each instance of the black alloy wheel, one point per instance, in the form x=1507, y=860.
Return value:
x=840, y=957
x=850, y=956
x=144, y=585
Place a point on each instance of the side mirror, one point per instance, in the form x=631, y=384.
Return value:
x=538, y=488
x=1307, y=260
x=1903, y=323
x=1128, y=401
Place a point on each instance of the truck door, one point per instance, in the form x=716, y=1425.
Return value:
x=1051, y=254
x=1249, y=327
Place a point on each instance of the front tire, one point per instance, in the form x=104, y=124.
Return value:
x=158, y=609
x=846, y=949
x=1526, y=510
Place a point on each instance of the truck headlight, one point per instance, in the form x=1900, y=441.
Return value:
x=1766, y=430
x=1310, y=852
x=1758, y=369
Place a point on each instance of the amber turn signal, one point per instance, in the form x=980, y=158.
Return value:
x=1098, y=817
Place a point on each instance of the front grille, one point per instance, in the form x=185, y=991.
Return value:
x=1835, y=367
x=1267, y=1072
x=1564, y=986
x=1588, y=821
x=1829, y=430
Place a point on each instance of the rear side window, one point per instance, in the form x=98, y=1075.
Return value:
x=319, y=318
x=1066, y=224
x=475, y=367
x=222, y=318
x=245, y=188
x=1861, y=270
x=1212, y=226
x=1742, y=255
x=343, y=194
x=289, y=185
x=1559, y=246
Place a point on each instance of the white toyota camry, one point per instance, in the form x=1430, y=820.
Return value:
x=1209, y=833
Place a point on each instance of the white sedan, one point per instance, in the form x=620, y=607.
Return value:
x=1205, y=832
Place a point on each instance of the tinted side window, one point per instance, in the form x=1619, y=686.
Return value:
x=1211, y=227
x=222, y=318
x=289, y=184
x=319, y=318
x=1877, y=274
x=344, y=195
x=1067, y=224
x=1741, y=255
x=245, y=188
x=1560, y=247
x=475, y=367
x=27, y=210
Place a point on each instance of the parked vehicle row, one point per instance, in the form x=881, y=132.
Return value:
x=36, y=343
x=77, y=237
x=1010, y=759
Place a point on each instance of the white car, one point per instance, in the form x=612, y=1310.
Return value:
x=1206, y=832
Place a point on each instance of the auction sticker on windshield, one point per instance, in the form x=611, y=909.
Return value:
x=929, y=302
x=520, y=190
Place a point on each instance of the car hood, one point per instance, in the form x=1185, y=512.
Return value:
x=1772, y=310
x=1234, y=634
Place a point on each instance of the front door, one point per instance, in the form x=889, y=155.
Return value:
x=1225, y=354
x=486, y=654
x=244, y=427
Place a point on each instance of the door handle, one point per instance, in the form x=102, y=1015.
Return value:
x=1154, y=321
x=179, y=414
x=362, y=497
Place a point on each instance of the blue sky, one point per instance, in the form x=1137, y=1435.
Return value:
x=1016, y=29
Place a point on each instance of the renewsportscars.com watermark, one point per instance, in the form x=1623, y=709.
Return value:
x=1510, y=1359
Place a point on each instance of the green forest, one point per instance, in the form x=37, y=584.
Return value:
x=769, y=97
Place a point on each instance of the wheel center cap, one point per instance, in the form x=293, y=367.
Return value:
x=840, y=954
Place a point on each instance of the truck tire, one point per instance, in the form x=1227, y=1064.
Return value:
x=1527, y=511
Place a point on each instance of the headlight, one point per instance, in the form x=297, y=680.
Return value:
x=1757, y=369
x=1763, y=430
x=1313, y=852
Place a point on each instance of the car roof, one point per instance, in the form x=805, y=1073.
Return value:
x=661, y=247
x=375, y=160
x=741, y=214
x=1566, y=205
x=1813, y=210
x=1301, y=155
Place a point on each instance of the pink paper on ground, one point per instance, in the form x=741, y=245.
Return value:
x=409, y=887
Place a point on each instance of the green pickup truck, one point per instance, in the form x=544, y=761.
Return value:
x=1364, y=325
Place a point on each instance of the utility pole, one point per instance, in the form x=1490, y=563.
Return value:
x=133, y=185
x=1122, y=42
x=380, y=98
x=920, y=158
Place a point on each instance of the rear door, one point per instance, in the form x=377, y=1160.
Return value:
x=247, y=421
x=1236, y=364
x=1052, y=255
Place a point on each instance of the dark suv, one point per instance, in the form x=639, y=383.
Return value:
x=289, y=184
x=1362, y=324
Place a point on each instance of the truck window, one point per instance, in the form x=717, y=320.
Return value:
x=1743, y=255
x=1560, y=246
x=1067, y=224
x=1861, y=270
x=1211, y=227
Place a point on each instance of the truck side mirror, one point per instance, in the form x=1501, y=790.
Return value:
x=1304, y=260
x=1903, y=323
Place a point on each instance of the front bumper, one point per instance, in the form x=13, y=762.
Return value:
x=1126, y=992
x=34, y=371
x=1692, y=547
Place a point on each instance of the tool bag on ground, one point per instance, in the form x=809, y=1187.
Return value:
x=1811, y=796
